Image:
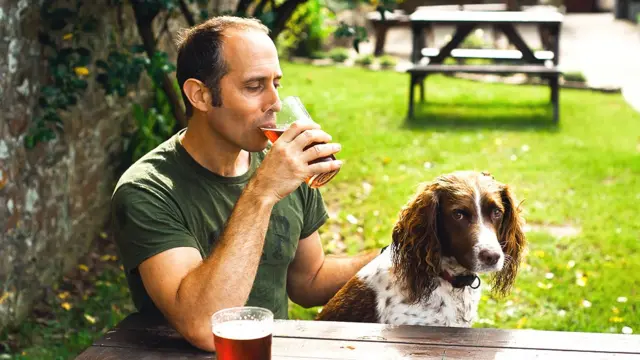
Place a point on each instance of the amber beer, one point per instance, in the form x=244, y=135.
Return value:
x=241, y=333
x=242, y=339
x=314, y=181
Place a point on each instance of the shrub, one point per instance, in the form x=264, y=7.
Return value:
x=339, y=54
x=387, y=61
x=365, y=60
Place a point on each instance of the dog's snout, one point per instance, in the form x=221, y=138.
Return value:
x=489, y=257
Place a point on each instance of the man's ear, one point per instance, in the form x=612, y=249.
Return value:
x=198, y=94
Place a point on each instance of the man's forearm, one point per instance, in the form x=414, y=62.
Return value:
x=226, y=277
x=334, y=273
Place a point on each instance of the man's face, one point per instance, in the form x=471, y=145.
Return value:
x=249, y=90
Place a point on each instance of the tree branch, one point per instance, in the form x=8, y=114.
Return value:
x=260, y=8
x=283, y=13
x=242, y=7
x=144, y=18
x=186, y=13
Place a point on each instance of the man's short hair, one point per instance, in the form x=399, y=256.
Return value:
x=200, y=54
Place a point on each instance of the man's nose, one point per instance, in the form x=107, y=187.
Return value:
x=273, y=101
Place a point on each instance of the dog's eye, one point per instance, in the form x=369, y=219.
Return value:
x=458, y=215
x=496, y=214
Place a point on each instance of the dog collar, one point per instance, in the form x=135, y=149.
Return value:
x=461, y=281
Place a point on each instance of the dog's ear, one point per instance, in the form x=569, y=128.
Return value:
x=513, y=241
x=416, y=255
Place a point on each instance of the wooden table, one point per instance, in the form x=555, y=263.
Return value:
x=139, y=338
x=522, y=59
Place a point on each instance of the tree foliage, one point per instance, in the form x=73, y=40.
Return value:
x=67, y=36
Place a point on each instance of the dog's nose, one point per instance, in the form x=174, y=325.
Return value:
x=489, y=257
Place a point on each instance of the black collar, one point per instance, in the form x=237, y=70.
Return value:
x=461, y=281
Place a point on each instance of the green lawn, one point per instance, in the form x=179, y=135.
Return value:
x=583, y=174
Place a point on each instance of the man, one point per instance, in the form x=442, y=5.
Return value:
x=211, y=219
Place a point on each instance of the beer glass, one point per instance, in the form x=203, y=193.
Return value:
x=242, y=333
x=293, y=110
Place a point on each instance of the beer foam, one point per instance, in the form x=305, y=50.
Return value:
x=242, y=329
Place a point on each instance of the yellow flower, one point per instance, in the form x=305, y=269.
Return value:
x=616, y=319
x=539, y=253
x=615, y=310
x=63, y=295
x=581, y=281
x=4, y=297
x=542, y=285
x=81, y=71
x=521, y=322
x=83, y=267
x=68, y=36
x=66, y=306
x=105, y=257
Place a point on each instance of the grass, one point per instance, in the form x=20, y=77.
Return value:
x=583, y=173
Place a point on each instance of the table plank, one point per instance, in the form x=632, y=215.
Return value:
x=290, y=348
x=118, y=353
x=495, y=338
x=485, y=17
x=139, y=332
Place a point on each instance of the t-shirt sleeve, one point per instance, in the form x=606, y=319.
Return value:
x=146, y=224
x=315, y=213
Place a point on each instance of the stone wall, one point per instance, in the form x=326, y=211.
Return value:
x=54, y=198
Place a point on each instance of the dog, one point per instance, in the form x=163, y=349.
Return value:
x=452, y=229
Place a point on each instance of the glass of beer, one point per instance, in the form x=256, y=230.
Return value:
x=242, y=333
x=293, y=110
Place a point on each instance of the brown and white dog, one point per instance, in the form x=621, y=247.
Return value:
x=460, y=225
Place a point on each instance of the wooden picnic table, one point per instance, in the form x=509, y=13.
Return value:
x=138, y=337
x=523, y=59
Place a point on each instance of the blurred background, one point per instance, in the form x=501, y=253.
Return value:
x=88, y=87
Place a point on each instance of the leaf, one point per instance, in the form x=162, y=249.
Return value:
x=137, y=49
x=90, y=318
x=139, y=115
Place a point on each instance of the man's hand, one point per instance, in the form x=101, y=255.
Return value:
x=286, y=166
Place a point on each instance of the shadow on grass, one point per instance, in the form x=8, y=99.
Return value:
x=532, y=116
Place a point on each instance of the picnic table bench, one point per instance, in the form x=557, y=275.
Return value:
x=542, y=63
x=138, y=337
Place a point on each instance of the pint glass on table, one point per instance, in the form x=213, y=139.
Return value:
x=242, y=333
x=293, y=110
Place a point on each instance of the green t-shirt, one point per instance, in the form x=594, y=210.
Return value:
x=166, y=200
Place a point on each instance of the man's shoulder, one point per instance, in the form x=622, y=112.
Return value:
x=154, y=169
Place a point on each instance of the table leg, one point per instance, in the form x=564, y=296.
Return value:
x=461, y=33
x=555, y=97
x=518, y=42
x=417, y=41
x=411, y=87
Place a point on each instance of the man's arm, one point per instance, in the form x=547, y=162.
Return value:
x=313, y=279
x=188, y=289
